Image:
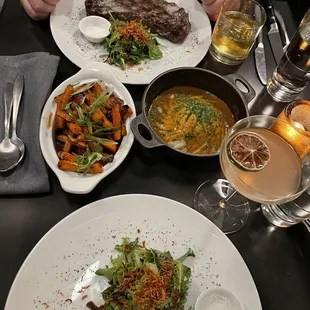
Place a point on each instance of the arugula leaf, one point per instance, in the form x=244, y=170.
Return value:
x=154, y=50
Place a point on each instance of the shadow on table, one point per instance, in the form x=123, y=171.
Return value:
x=213, y=65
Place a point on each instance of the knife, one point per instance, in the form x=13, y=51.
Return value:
x=274, y=34
x=260, y=59
x=283, y=28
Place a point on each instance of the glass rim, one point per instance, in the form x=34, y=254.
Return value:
x=264, y=15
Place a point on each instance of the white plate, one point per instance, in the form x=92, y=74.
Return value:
x=66, y=257
x=73, y=182
x=65, y=30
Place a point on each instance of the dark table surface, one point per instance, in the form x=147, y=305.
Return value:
x=279, y=259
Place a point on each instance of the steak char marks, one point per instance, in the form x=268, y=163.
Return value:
x=163, y=18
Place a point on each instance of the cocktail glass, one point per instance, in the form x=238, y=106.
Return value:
x=273, y=175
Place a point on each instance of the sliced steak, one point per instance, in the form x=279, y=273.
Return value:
x=163, y=18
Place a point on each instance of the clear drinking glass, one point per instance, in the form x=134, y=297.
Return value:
x=297, y=116
x=292, y=74
x=236, y=30
x=269, y=170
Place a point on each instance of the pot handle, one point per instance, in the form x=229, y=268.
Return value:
x=251, y=92
x=137, y=122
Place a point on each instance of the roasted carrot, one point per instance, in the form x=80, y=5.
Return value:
x=60, y=123
x=97, y=116
x=67, y=146
x=58, y=99
x=62, y=138
x=66, y=165
x=123, y=130
x=97, y=89
x=90, y=97
x=80, y=138
x=65, y=116
x=106, y=123
x=117, y=121
x=91, y=144
x=78, y=99
x=67, y=156
x=114, y=100
x=128, y=113
x=111, y=147
x=76, y=129
x=67, y=94
x=95, y=168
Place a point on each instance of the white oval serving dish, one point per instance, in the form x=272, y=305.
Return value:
x=72, y=182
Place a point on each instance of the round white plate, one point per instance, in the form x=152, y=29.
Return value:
x=65, y=259
x=65, y=30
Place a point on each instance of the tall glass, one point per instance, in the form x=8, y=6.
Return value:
x=236, y=29
x=260, y=165
x=292, y=74
x=296, y=115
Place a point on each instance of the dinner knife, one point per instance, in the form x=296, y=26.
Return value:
x=274, y=34
x=260, y=59
x=283, y=28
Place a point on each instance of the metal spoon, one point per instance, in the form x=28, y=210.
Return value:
x=17, y=95
x=9, y=152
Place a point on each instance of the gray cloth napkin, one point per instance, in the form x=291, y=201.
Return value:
x=39, y=70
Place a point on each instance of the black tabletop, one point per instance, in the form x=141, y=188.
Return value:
x=279, y=259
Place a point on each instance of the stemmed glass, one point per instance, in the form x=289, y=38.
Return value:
x=262, y=164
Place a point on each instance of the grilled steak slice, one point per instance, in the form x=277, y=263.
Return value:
x=163, y=18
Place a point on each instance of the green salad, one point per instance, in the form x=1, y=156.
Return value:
x=129, y=43
x=145, y=279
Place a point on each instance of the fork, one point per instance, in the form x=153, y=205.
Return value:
x=307, y=224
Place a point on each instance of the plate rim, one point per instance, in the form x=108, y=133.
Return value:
x=123, y=196
x=132, y=82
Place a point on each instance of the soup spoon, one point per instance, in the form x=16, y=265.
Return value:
x=9, y=152
x=17, y=95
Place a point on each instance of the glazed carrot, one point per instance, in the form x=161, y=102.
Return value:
x=60, y=123
x=111, y=147
x=58, y=99
x=97, y=89
x=91, y=144
x=67, y=146
x=65, y=116
x=76, y=129
x=128, y=113
x=90, y=97
x=106, y=123
x=95, y=168
x=97, y=116
x=80, y=138
x=62, y=138
x=117, y=120
x=66, y=165
x=123, y=130
x=67, y=156
x=114, y=100
x=67, y=94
